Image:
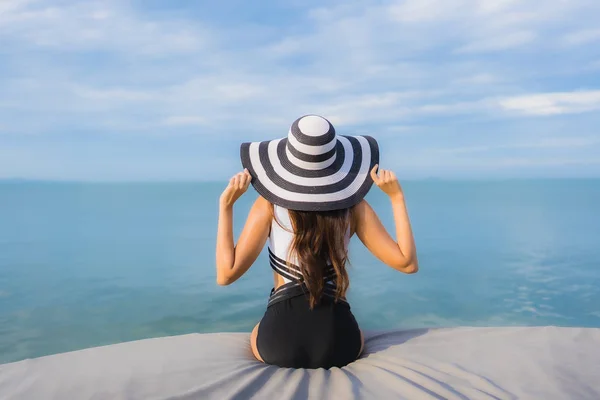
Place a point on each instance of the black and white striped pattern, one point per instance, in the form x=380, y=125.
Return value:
x=296, y=286
x=313, y=169
x=293, y=289
x=292, y=272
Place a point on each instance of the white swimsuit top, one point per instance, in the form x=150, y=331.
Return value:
x=286, y=265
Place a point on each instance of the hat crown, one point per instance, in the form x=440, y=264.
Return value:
x=312, y=143
x=312, y=169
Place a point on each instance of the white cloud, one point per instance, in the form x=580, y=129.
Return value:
x=543, y=162
x=7, y=7
x=400, y=68
x=564, y=142
x=582, y=37
x=550, y=143
x=113, y=94
x=185, y=120
x=453, y=108
x=553, y=103
x=102, y=25
x=239, y=91
x=499, y=42
x=477, y=79
x=386, y=107
x=489, y=26
x=359, y=63
x=494, y=7
x=416, y=11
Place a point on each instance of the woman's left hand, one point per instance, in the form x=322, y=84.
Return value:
x=238, y=185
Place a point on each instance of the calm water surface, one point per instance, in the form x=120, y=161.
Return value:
x=91, y=264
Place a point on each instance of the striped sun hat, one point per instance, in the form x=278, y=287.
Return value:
x=313, y=169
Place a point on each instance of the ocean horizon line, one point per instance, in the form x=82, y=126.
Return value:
x=220, y=181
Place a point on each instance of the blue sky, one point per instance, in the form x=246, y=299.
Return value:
x=167, y=90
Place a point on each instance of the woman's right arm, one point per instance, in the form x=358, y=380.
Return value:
x=402, y=253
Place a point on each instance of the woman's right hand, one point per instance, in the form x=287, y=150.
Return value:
x=238, y=185
x=386, y=181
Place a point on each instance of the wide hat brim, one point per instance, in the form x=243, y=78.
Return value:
x=340, y=185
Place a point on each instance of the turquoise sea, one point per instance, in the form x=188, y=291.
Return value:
x=92, y=264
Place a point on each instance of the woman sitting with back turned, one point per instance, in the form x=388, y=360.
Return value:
x=311, y=187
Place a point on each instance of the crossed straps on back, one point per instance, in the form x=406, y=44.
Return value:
x=280, y=239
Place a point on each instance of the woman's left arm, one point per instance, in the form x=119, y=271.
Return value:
x=234, y=260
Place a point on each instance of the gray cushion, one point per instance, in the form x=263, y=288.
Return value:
x=500, y=363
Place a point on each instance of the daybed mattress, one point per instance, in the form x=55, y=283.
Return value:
x=457, y=363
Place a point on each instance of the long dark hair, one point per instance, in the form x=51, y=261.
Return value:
x=320, y=237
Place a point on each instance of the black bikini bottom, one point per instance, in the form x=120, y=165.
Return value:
x=292, y=335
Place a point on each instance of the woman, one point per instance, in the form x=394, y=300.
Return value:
x=312, y=186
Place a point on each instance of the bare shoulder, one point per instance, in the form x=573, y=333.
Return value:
x=262, y=208
x=361, y=210
x=262, y=202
